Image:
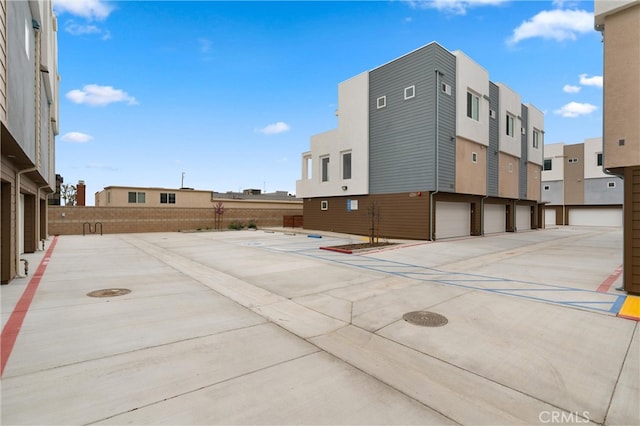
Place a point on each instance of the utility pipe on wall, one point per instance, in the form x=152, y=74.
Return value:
x=437, y=138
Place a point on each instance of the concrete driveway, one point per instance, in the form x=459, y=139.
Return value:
x=263, y=327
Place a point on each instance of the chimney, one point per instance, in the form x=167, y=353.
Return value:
x=80, y=194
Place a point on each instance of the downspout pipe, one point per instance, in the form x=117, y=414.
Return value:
x=482, y=214
x=437, y=138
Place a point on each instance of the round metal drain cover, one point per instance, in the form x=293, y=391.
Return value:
x=109, y=292
x=425, y=319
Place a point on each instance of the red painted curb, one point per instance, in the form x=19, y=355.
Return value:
x=13, y=325
x=339, y=250
x=608, y=282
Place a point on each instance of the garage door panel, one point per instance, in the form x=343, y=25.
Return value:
x=596, y=217
x=453, y=219
x=549, y=217
x=495, y=218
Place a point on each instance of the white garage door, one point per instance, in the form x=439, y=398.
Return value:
x=453, y=220
x=596, y=217
x=523, y=218
x=549, y=217
x=495, y=218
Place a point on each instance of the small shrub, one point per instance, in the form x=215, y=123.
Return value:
x=236, y=225
x=252, y=225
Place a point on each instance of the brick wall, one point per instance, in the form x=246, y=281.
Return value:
x=69, y=220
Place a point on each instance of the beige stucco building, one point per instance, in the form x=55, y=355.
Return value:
x=619, y=22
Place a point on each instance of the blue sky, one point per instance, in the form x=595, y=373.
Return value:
x=230, y=92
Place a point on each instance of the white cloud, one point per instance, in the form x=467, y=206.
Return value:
x=571, y=89
x=275, y=128
x=89, y=9
x=595, y=80
x=95, y=95
x=556, y=25
x=575, y=109
x=76, y=137
x=458, y=7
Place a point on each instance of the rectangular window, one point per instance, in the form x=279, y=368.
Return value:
x=167, y=198
x=324, y=205
x=324, y=162
x=510, y=167
x=492, y=113
x=308, y=168
x=346, y=165
x=611, y=184
x=599, y=159
x=381, y=102
x=536, y=138
x=446, y=88
x=409, y=92
x=473, y=106
x=547, y=164
x=26, y=38
x=546, y=187
x=573, y=160
x=474, y=157
x=510, y=125
x=137, y=197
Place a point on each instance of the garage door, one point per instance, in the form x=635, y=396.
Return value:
x=549, y=217
x=453, y=220
x=523, y=218
x=596, y=217
x=495, y=218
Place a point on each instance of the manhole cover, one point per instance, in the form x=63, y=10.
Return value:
x=109, y=292
x=425, y=319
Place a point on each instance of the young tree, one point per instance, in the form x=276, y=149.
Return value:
x=68, y=193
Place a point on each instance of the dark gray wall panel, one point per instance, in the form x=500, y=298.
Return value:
x=402, y=134
x=492, y=151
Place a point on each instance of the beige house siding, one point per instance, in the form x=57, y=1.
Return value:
x=118, y=196
x=471, y=178
x=509, y=175
x=622, y=88
x=533, y=181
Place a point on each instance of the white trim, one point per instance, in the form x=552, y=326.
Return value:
x=324, y=205
x=381, y=102
x=412, y=90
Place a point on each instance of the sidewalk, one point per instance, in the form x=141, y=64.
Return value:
x=255, y=327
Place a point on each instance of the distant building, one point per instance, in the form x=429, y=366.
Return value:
x=576, y=189
x=619, y=22
x=128, y=196
x=28, y=126
x=430, y=148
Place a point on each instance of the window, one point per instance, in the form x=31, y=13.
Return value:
x=546, y=188
x=547, y=164
x=473, y=106
x=474, y=157
x=510, y=125
x=446, y=88
x=492, y=113
x=536, y=138
x=137, y=197
x=324, y=162
x=599, y=159
x=510, y=167
x=346, y=165
x=26, y=38
x=167, y=198
x=324, y=205
x=308, y=168
x=381, y=102
x=611, y=184
x=573, y=160
x=409, y=92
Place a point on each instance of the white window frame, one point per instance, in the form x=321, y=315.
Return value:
x=410, y=92
x=611, y=184
x=510, y=167
x=536, y=138
x=381, y=102
x=550, y=160
x=446, y=88
x=324, y=171
x=511, y=125
x=324, y=205
x=473, y=106
x=342, y=164
x=474, y=157
x=308, y=167
x=492, y=113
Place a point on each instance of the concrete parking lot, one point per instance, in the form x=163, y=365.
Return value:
x=264, y=327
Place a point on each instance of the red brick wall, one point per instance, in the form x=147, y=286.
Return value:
x=69, y=220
